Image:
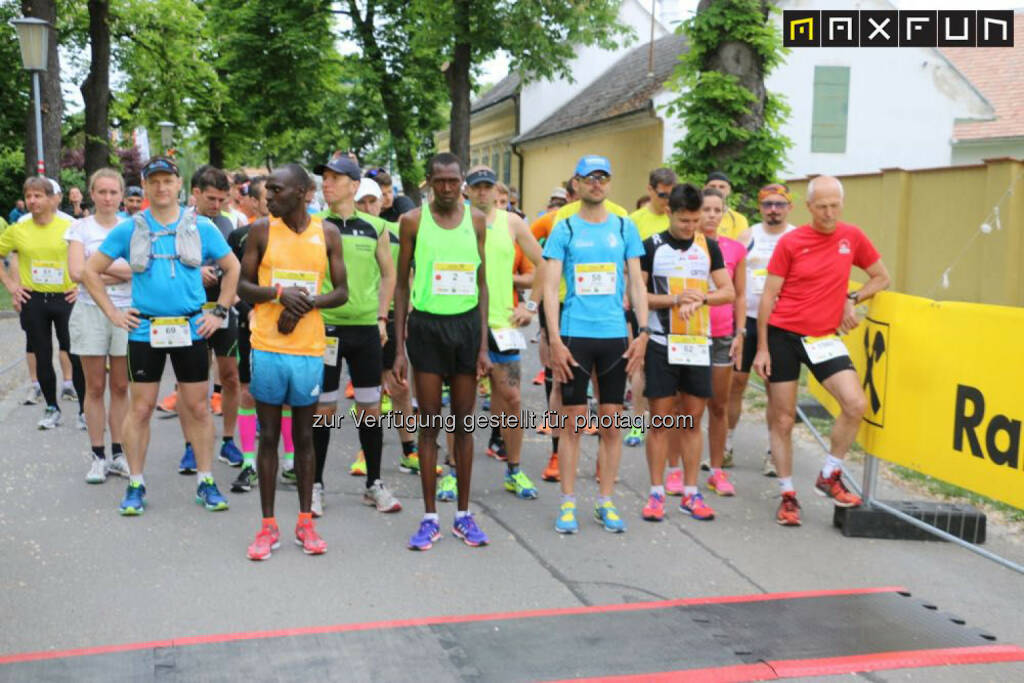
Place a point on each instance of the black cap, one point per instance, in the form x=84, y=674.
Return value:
x=483, y=175
x=342, y=165
x=133, y=191
x=718, y=175
x=160, y=164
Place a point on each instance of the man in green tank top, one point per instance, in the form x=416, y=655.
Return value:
x=505, y=231
x=446, y=337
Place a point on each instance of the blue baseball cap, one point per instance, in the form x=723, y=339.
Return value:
x=341, y=165
x=591, y=163
x=160, y=164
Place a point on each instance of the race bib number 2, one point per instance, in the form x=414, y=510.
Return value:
x=169, y=332
x=686, y=349
x=303, y=279
x=821, y=349
x=454, y=279
x=595, y=278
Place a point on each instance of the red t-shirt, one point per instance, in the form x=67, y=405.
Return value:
x=816, y=268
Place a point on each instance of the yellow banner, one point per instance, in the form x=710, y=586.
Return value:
x=943, y=382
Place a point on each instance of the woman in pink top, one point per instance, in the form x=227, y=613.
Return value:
x=726, y=344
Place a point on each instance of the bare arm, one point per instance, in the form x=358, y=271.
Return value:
x=408, y=226
x=534, y=280
x=879, y=281
x=483, y=363
x=739, y=308
x=387, y=273
x=255, y=244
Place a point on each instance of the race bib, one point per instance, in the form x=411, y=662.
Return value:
x=821, y=349
x=331, y=352
x=595, y=278
x=169, y=332
x=757, y=280
x=208, y=308
x=303, y=279
x=688, y=349
x=454, y=279
x=509, y=339
x=47, y=273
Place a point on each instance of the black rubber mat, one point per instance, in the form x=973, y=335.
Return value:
x=619, y=640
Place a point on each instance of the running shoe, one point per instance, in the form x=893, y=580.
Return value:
x=543, y=428
x=97, y=471
x=447, y=489
x=317, y=503
x=267, y=540
x=307, y=537
x=465, y=528
x=446, y=396
x=697, y=508
x=82, y=424
x=386, y=406
x=216, y=401
x=118, y=466
x=133, y=502
x=538, y=379
x=380, y=497
x=409, y=464
x=209, y=496
x=607, y=516
x=768, y=467
x=230, y=455
x=566, y=522
x=720, y=484
x=188, y=461
x=654, y=511
x=518, y=483
x=635, y=437
x=496, y=450
x=34, y=395
x=358, y=466
x=789, y=510
x=674, y=483
x=350, y=390
x=705, y=464
x=483, y=387
x=485, y=404
x=834, y=488
x=169, y=405
x=68, y=393
x=551, y=471
x=428, y=534
x=246, y=480
x=288, y=475
x=51, y=418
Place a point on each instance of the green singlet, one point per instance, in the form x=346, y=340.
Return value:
x=500, y=252
x=359, y=234
x=446, y=263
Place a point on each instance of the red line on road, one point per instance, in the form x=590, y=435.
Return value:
x=428, y=621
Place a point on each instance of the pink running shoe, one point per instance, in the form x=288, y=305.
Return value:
x=697, y=508
x=720, y=484
x=654, y=511
x=674, y=483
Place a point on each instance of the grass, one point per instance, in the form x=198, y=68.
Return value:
x=950, y=491
x=5, y=300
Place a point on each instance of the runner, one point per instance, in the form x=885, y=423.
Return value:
x=43, y=288
x=391, y=205
x=165, y=246
x=447, y=332
x=734, y=223
x=132, y=201
x=356, y=331
x=680, y=266
x=284, y=265
x=809, y=273
x=775, y=204
x=590, y=250
x=726, y=344
x=505, y=231
x=101, y=346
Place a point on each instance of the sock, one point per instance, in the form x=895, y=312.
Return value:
x=36, y=384
x=286, y=435
x=690, y=491
x=216, y=388
x=321, y=440
x=227, y=439
x=568, y=498
x=136, y=480
x=305, y=518
x=601, y=500
x=247, y=435
x=408, y=448
x=496, y=435
x=512, y=467
x=270, y=521
x=99, y=452
x=459, y=514
x=371, y=439
x=554, y=444
x=430, y=516
x=786, y=485
x=116, y=450
x=203, y=476
x=68, y=384
x=832, y=463
x=659, y=490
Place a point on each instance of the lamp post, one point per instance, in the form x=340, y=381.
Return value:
x=34, y=37
x=166, y=135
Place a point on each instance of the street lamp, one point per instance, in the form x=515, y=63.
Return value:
x=34, y=37
x=166, y=135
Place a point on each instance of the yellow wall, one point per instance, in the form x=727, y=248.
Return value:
x=921, y=222
x=491, y=132
x=634, y=149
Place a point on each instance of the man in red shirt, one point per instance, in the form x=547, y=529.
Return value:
x=804, y=305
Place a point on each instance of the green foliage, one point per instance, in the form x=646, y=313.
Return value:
x=715, y=108
x=12, y=176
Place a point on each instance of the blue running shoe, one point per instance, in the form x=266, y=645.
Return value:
x=447, y=489
x=486, y=403
x=607, y=516
x=210, y=497
x=566, y=522
x=446, y=396
x=188, y=461
x=466, y=529
x=428, y=534
x=133, y=503
x=230, y=454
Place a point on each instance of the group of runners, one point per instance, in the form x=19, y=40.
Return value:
x=679, y=301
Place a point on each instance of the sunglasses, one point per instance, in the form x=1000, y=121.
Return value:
x=596, y=179
x=373, y=173
x=663, y=195
x=774, y=205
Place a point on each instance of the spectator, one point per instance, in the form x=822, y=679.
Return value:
x=642, y=202
x=17, y=212
x=392, y=206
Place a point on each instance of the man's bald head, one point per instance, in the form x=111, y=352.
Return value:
x=296, y=176
x=823, y=185
x=825, y=202
x=287, y=189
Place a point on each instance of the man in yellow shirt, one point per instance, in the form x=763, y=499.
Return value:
x=733, y=224
x=652, y=217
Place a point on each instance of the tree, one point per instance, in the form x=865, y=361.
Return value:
x=51, y=97
x=96, y=89
x=732, y=123
x=16, y=85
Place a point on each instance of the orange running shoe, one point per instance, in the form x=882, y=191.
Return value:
x=539, y=378
x=169, y=404
x=551, y=471
x=789, y=510
x=544, y=428
x=350, y=391
x=267, y=540
x=309, y=539
x=834, y=488
x=215, y=404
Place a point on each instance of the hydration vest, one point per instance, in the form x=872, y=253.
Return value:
x=188, y=248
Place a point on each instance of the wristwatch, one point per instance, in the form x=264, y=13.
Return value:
x=531, y=306
x=220, y=311
x=644, y=330
x=854, y=296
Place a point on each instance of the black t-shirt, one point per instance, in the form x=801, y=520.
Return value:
x=225, y=226
x=236, y=240
x=400, y=205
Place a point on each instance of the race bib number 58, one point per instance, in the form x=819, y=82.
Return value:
x=595, y=278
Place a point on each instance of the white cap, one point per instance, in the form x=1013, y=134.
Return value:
x=367, y=187
x=56, y=186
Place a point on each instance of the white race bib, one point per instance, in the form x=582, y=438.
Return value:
x=757, y=280
x=509, y=339
x=208, y=308
x=686, y=349
x=595, y=278
x=47, y=273
x=331, y=352
x=303, y=279
x=821, y=349
x=169, y=332
x=454, y=279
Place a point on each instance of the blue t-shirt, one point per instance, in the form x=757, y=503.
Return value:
x=156, y=292
x=603, y=248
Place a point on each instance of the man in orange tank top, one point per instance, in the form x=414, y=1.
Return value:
x=286, y=258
